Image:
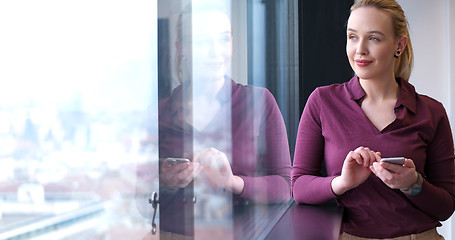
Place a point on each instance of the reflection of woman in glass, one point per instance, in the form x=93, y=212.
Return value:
x=233, y=134
x=378, y=113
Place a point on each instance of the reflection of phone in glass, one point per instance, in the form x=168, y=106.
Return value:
x=177, y=160
x=394, y=160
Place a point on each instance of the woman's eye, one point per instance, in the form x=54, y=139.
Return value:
x=374, y=39
x=352, y=37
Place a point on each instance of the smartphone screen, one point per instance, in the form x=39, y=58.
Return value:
x=177, y=160
x=394, y=160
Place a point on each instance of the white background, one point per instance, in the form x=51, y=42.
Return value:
x=433, y=36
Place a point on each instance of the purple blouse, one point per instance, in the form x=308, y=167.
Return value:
x=333, y=124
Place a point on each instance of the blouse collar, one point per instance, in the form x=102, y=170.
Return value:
x=406, y=98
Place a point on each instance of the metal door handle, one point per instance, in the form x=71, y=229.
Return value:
x=154, y=200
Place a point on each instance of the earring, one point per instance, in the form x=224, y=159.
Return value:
x=397, y=56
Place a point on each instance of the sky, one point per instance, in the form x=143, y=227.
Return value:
x=103, y=52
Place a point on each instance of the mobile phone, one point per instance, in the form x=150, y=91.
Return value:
x=394, y=160
x=177, y=160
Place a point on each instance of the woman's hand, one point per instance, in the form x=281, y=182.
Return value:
x=396, y=176
x=356, y=169
x=178, y=175
x=218, y=170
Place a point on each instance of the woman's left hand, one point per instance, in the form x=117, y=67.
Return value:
x=396, y=176
x=218, y=170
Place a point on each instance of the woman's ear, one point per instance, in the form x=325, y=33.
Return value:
x=402, y=43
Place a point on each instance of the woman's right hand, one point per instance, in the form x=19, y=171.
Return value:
x=178, y=175
x=356, y=169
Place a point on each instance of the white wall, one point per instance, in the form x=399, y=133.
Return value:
x=432, y=31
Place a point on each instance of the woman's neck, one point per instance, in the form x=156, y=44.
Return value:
x=380, y=89
x=207, y=89
x=204, y=105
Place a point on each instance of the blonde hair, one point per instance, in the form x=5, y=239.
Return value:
x=403, y=64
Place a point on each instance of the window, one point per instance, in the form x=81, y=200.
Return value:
x=102, y=99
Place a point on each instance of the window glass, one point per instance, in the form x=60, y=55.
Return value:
x=236, y=181
x=143, y=119
x=78, y=81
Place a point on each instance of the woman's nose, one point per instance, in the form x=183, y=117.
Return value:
x=361, y=48
x=215, y=47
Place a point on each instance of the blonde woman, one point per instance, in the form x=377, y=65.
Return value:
x=377, y=114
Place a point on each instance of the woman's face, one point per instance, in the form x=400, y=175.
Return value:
x=371, y=43
x=208, y=45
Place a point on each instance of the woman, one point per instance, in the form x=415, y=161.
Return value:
x=349, y=127
x=233, y=135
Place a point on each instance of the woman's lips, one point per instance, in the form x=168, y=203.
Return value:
x=362, y=62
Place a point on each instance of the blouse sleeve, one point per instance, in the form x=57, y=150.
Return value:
x=273, y=184
x=307, y=183
x=437, y=197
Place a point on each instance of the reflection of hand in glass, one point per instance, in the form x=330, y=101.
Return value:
x=229, y=129
x=180, y=174
x=217, y=169
x=242, y=124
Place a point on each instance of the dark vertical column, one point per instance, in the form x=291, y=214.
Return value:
x=322, y=34
x=280, y=39
x=164, y=59
x=176, y=206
